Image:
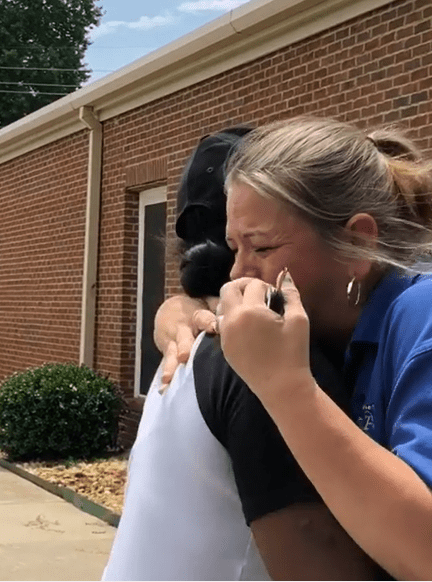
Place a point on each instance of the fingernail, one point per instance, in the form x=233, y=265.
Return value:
x=213, y=327
x=280, y=278
x=286, y=279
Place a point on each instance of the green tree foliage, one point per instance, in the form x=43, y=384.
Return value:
x=42, y=34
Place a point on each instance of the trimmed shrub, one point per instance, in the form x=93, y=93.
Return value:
x=58, y=411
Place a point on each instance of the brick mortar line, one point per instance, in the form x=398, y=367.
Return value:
x=78, y=500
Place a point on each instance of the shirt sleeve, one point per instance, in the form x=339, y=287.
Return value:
x=267, y=476
x=409, y=414
x=407, y=364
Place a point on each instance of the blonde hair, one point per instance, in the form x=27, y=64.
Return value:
x=330, y=171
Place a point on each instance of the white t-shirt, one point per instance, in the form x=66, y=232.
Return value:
x=182, y=517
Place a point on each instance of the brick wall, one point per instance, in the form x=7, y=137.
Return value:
x=41, y=254
x=375, y=69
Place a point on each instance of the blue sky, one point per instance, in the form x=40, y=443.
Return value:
x=131, y=29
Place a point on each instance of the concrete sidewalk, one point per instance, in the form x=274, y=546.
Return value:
x=43, y=537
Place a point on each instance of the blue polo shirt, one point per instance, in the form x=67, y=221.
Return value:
x=388, y=366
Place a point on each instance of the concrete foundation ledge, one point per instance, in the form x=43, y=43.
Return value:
x=67, y=494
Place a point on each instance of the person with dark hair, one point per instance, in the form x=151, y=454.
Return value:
x=346, y=217
x=206, y=260
x=213, y=492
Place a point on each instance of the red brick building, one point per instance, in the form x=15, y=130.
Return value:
x=87, y=181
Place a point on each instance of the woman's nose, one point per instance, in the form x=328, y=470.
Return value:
x=242, y=267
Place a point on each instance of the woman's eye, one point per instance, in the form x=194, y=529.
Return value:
x=264, y=249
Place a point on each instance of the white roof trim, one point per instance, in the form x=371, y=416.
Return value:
x=246, y=33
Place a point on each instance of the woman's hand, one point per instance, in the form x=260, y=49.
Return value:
x=378, y=499
x=270, y=352
x=178, y=321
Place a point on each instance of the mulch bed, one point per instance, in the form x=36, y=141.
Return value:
x=101, y=480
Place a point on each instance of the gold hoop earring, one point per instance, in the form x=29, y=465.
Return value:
x=350, y=292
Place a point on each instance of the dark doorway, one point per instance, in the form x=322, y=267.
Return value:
x=153, y=288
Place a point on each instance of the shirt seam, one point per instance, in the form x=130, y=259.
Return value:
x=419, y=352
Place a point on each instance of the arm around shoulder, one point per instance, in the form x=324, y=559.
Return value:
x=175, y=329
x=304, y=542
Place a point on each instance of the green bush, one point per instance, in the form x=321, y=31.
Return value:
x=58, y=411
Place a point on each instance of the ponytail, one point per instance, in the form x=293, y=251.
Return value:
x=205, y=267
x=411, y=178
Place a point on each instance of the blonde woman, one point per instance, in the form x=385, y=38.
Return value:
x=349, y=214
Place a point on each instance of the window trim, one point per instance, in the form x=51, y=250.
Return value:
x=147, y=197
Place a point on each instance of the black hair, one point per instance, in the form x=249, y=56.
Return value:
x=205, y=267
x=205, y=259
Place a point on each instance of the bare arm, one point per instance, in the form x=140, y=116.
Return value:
x=305, y=542
x=376, y=497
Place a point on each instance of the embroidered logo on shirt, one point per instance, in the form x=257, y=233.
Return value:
x=366, y=421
